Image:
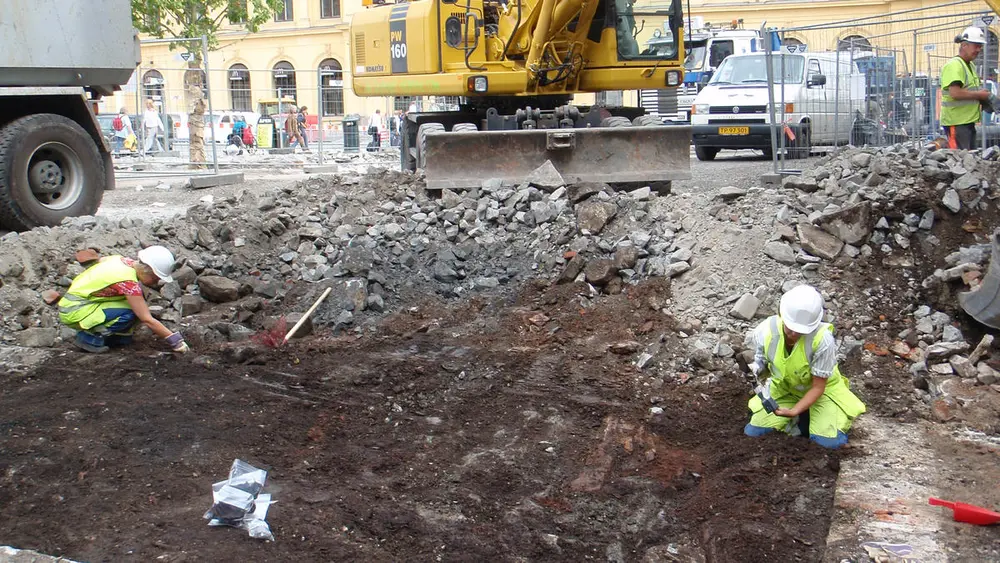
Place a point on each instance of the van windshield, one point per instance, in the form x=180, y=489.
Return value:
x=752, y=69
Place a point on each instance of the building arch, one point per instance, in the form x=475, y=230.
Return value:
x=153, y=86
x=283, y=79
x=238, y=79
x=331, y=74
x=854, y=42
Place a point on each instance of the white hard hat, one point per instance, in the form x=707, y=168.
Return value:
x=801, y=309
x=973, y=35
x=160, y=260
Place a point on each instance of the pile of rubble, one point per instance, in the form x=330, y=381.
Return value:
x=376, y=239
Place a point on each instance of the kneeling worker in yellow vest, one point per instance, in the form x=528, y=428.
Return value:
x=797, y=349
x=104, y=302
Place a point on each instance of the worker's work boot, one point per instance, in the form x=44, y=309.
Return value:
x=93, y=343
x=118, y=340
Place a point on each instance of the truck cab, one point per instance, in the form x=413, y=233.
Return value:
x=705, y=49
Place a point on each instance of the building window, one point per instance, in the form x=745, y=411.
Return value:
x=284, y=80
x=854, y=43
x=152, y=86
x=239, y=88
x=332, y=87
x=237, y=12
x=329, y=8
x=284, y=14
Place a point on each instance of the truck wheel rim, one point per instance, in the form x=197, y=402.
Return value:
x=55, y=174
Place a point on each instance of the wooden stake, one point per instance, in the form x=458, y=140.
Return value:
x=308, y=314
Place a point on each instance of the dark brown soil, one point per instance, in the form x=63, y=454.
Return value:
x=468, y=431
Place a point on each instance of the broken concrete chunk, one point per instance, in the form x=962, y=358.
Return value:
x=591, y=217
x=745, y=307
x=962, y=367
x=945, y=349
x=572, y=269
x=545, y=177
x=952, y=201
x=819, y=243
x=729, y=193
x=986, y=374
x=36, y=337
x=780, y=252
x=851, y=224
x=218, y=289
x=600, y=272
x=951, y=334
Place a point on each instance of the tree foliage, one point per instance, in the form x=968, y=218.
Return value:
x=170, y=19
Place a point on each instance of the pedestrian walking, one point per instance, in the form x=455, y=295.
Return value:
x=152, y=125
x=122, y=126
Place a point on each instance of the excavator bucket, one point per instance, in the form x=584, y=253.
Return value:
x=648, y=154
x=983, y=303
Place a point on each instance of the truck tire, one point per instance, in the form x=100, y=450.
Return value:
x=458, y=127
x=705, y=153
x=50, y=168
x=422, y=141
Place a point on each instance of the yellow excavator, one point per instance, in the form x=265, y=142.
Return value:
x=516, y=64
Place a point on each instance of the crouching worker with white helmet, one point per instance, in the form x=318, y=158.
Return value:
x=798, y=351
x=104, y=302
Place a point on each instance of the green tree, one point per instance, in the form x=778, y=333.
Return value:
x=187, y=19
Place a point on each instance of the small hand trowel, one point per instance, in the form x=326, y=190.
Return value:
x=763, y=392
x=969, y=513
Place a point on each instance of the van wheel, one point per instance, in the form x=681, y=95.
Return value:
x=705, y=153
x=802, y=146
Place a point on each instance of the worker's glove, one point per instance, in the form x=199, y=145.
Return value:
x=991, y=104
x=177, y=344
x=755, y=368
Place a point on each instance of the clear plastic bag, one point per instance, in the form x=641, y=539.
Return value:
x=238, y=501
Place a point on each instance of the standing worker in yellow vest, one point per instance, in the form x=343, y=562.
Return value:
x=962, y=93
x=104, y=302
x=798, y=350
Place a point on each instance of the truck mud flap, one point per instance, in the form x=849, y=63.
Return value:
x=983, y=303
x=462, y=160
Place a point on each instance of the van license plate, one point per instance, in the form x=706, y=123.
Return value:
x=734, y=130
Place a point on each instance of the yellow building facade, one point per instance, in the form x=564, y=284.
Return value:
x=287, y=53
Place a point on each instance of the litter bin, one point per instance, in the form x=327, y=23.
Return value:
x=352, y=138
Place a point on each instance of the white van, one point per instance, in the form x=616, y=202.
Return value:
x=732, y=111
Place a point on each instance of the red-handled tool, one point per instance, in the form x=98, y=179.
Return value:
x=969, y=513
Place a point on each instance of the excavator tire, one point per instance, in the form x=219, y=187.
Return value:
x=647, y=121
x=422, y=141
x=464, y=127
x=616, y=121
